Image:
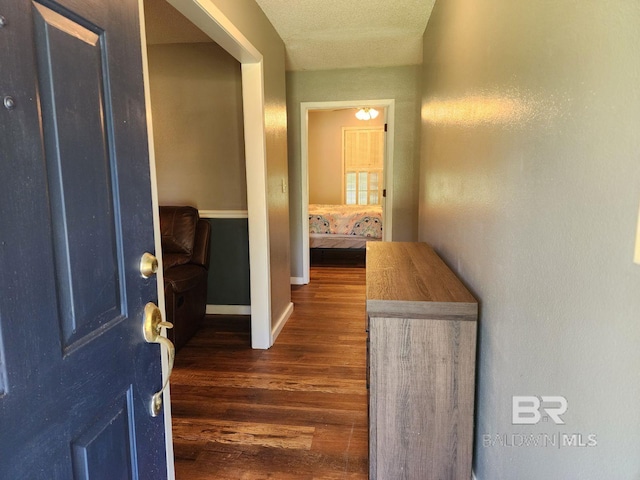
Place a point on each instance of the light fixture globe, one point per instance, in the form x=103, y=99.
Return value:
x=366, y=113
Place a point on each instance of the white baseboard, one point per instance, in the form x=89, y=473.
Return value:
x=473, y=475
x=228, y=309
x=277, y=328
x=298, y=281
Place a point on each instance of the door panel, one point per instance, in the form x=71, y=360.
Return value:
x=80, y=169
x=106, y=443
x=76, y=377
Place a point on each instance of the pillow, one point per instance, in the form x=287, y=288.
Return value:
x=368, y=227
x=319, y=224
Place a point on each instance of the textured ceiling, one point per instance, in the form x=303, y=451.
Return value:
x=321, y=34
x=327, y=34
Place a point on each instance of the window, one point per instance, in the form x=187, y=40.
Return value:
x=363, y=152
x=363, y=188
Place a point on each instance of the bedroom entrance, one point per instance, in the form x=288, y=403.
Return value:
x=347, y=171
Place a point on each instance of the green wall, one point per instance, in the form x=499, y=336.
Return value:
x=229, y=267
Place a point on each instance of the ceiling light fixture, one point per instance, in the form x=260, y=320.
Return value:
x=366, y=113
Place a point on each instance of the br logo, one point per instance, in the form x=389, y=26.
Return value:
x=527, y=409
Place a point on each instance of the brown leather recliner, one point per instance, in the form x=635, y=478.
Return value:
x=185, y=258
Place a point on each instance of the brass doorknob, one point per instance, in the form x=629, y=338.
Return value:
x=148, y=265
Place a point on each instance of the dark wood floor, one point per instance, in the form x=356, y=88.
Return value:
x=295, y=411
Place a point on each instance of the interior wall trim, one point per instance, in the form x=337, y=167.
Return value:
x=297, y=281
x=228, y=310
x=223, y=213
x=277, y=328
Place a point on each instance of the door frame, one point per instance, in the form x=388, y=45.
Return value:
x=210, y=19
x=387, y=211
x=157, y=236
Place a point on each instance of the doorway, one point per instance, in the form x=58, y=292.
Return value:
x=388, y=106
x=219, y=28
x=212, y=23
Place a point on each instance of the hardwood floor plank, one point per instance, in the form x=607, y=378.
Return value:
x=274, y=381
x=257, y=462
x=283, y=409
x=245, y=433
x=295, y=411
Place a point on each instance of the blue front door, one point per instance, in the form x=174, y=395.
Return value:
x=76, y=376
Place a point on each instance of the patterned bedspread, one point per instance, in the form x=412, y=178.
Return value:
x=357, y=220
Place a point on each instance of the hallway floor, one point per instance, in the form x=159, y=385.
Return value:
x=295, y=411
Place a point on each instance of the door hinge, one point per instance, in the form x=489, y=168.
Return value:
x=384, y=193
x=385, y=127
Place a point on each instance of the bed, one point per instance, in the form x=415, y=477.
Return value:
x=340, y=232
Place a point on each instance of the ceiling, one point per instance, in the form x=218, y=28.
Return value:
x=321, y=34
x=328, y=34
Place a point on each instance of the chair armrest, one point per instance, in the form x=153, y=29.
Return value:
x=183, y=278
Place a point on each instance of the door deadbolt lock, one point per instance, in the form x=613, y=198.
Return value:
x=148, y=265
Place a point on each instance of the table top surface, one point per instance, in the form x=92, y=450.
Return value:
x=410, y=278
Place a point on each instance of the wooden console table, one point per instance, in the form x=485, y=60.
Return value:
x=421, y=365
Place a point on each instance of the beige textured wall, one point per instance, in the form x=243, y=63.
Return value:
x=530, y=182
x=399, y=83
x=250, y=20
x=325, y=151
x=196, y=101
